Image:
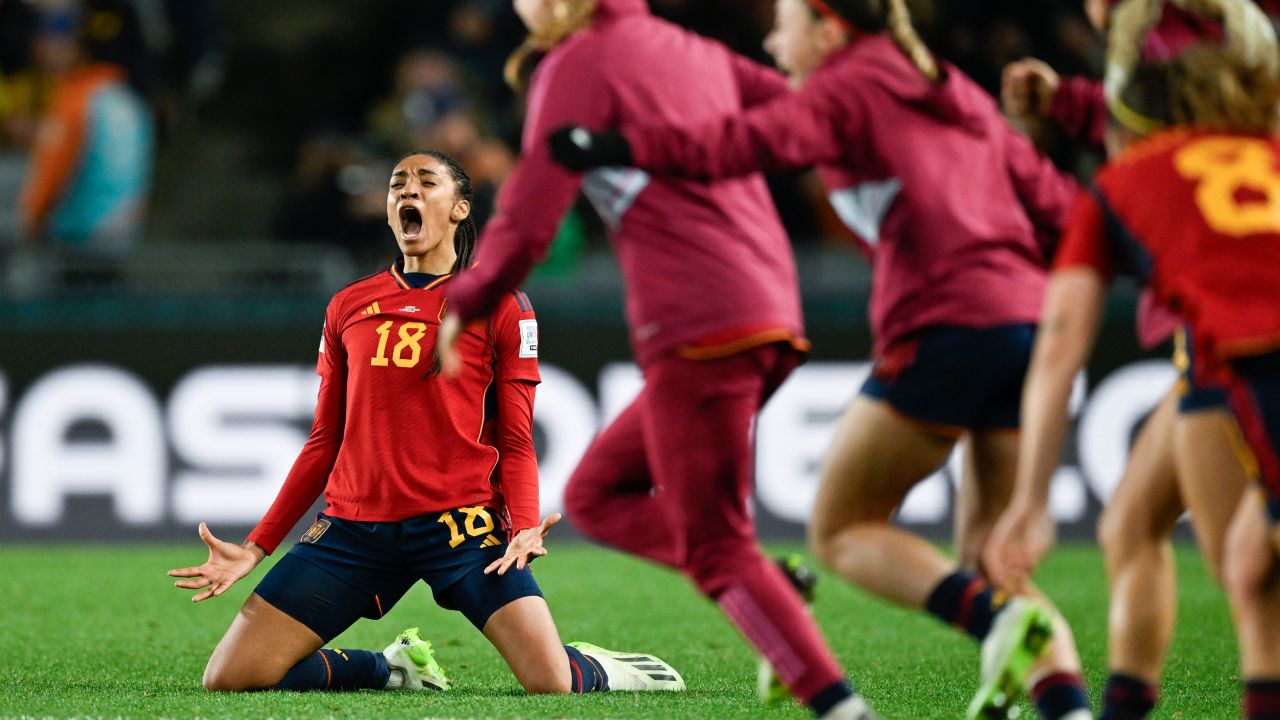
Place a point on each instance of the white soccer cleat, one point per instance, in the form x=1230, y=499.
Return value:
x=411, y=658
x=1018, y=636
x=631, y=671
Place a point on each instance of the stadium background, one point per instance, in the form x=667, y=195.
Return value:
x=176, y=386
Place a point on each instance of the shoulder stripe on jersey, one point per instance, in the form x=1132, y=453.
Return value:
x=399, y=277
x=435, y=283
x=527, y=302
x=520, y=300
x=1134, y=257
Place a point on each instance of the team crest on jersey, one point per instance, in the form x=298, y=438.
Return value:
x=528, y=338
x=313, y=534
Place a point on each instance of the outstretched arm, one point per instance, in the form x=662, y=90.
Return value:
x=794, y=130
x=537, y=194
x=1024, y=533
x=1068, y=328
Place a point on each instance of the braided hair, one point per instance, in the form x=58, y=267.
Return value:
x=464, y=238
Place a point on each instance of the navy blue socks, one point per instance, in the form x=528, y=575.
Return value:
x=332, y=669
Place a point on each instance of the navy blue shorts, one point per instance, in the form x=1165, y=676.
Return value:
x=954, y=379
x=343, y=570
x=1255, y=401
x=1193, y=397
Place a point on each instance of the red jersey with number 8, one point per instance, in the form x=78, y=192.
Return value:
x=1196, y=215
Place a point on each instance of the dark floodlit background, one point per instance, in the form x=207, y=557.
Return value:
x=164, y=376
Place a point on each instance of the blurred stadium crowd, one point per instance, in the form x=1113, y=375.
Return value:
x=237, y=133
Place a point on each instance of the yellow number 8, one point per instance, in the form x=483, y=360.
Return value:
x=1224, y=166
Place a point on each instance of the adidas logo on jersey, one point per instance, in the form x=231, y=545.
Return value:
x=371, y=310
x=410, y=308
x=490, y=541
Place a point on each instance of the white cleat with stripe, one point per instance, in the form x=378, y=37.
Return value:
x=633, y=671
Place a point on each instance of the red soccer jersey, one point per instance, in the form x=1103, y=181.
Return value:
x=392, y=439
x=1196, y=215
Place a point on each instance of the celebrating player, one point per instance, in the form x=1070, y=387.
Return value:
x=1189, y=203
x=424, y=479
x=948, y=201
x=712, y=304
x=1182, y=440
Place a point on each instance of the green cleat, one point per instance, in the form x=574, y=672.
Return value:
x=411, y=658
x=1018, y=636
x=804, y=579
x=633, y=671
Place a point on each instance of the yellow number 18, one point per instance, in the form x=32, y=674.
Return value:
x=407, y=352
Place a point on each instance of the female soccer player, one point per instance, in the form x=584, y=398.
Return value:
x=1188, y=202
x=1184, y=437
x=425, y=480
x=712, y=304
x=948, y=201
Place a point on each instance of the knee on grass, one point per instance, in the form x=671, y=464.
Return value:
x=546, y=683
x=216, y=680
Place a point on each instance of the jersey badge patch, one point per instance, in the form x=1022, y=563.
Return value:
x=316, y=530
x=528, y=338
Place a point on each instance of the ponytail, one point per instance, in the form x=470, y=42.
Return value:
x=908, y=40
x=892, y=16
x=570, y=17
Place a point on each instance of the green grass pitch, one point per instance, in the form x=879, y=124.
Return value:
x=101, y=632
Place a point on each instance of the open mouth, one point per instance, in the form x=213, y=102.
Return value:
x=410, y=221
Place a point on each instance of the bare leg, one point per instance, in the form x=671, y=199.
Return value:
x=1210, y=477
x=1135, y=531
x=876, y=458
x=258, y=649
x=526, y=637
x=993, y=466
x=1253, y=583
x=985, y=491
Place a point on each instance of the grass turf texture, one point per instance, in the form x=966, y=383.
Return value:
x=100, y=631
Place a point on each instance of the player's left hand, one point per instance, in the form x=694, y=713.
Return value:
x=1019, y=541
x=447, y=346
x=524, y=547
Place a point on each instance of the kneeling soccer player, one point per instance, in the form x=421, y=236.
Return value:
x=425, y=478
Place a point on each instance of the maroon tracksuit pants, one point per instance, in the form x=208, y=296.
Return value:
x=670, y=480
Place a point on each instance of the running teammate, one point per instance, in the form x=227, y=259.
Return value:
x=1189, y=203
x=1184, y=437
x=947, y=201
x=712, y=304
x=424, y=479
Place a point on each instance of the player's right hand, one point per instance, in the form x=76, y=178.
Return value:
x=578, y=148
x=1022, y=536
x=1027, y=87
x=227, y=563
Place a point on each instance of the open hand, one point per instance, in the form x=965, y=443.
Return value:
x=524, y=547
x=227, y=563
x=1019, y=541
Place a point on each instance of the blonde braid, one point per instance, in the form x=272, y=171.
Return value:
x=570, y=17
x=908, y=40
